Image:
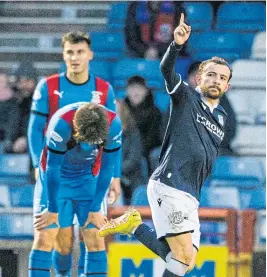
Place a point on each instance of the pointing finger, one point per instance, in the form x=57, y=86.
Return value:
x=182, y=18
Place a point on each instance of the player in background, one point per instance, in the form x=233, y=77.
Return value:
x=54, y=92
x=80, y=150
x=191, y=143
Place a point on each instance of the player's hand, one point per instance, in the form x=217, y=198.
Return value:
x=114, y=190
x=182, y=32
x=44, y=219
x=97, y=219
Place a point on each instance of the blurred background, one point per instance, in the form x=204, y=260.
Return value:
x=128, y=45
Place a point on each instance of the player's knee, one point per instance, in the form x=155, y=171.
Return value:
x=64, y=244
x=183, y=254
x=43, y=240
x=93, y=241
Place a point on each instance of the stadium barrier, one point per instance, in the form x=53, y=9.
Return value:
x=233, y=259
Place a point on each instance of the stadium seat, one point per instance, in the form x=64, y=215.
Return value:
x=181, y=66
x=139, y=197
x=117, y=16
x=229, y=46
x=241, y=17
x=220, y=197
x=259, y=46
x=242, y=172
x=247, y=104
x=260, y=228
x=14, y=165
x=5, y=198
x=249, y=74
x=108, y=46
x=212, y=232
x=253, y=198
x=16, y=226
x=21, y=196
x=162, y=100
x=126, y=68
x=250, y=140
x=199, y=15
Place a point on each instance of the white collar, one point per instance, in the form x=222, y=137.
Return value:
x=204, y=100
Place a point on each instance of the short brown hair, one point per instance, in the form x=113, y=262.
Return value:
x=91, y=124
x=216, y=60
x=76, y=37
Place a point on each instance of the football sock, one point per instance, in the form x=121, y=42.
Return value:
x=40, y=263
x=96, y=264
x=62, y=264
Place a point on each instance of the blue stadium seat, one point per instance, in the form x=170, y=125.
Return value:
x=126, y=68
x=5, y=198
x=108, y=46
x=161, y=100
x=241, y=17
x=220, y=197
x=212, y=232
x=16, y=226
x=181, y=66
x=200, y=15
x=139, y=197
x=14, y=165
x=21, y=196
x=229, y=46
x=117, y=16
x=243, y=172
x=253, y=199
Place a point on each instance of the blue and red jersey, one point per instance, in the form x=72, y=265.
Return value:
x=55, y=92
x=70, y=170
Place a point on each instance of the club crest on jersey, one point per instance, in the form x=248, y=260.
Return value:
x=56, y=137
x=96, y=96
x=220, y=117
x=60, y=94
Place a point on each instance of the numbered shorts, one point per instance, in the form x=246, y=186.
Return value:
x=173, y=211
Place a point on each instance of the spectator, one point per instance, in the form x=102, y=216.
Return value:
x=8, y=114
x=131, y=153
x=146, y=115
x=26, y=79
x=230, y=125
x=149, y=27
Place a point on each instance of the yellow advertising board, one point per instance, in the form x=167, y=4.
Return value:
x=135, y=260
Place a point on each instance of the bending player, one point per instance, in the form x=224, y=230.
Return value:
x=77, y=162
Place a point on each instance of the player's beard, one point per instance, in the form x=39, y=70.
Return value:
x=206, y=92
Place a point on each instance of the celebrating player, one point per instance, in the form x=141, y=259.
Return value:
x=194, y=133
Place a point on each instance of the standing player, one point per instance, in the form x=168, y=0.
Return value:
x=54, y=92
x=77, y=162
x=194, y=133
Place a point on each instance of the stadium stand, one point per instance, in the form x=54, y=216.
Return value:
x=236, y=16
x=139, y=197
x=117, y=16
x=259, y=46
x=199, y=15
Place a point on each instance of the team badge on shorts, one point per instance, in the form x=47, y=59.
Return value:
x=176, y=218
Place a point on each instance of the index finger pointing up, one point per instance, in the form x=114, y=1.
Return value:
x=182, y=18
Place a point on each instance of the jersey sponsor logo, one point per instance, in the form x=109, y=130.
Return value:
x=60, y=94
x=37, y=95
x=96, y=96
x=214, y=129
x=56, y=137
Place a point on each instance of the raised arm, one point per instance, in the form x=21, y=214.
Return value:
x=167, y=65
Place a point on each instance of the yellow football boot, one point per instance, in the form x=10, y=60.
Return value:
x=124, y=224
